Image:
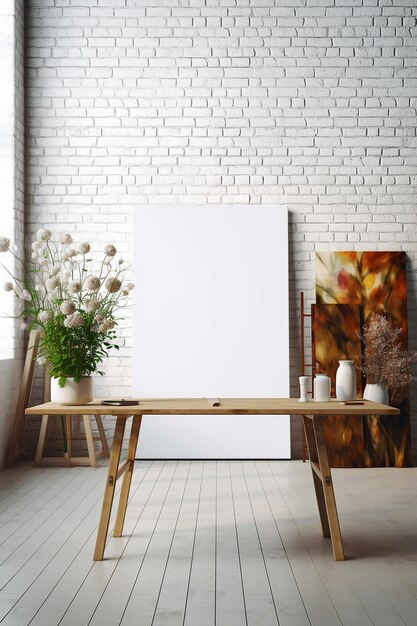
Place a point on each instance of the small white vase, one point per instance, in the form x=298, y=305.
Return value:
x=72, y=393
x=303, y=388
x=377, y=392
x=346, y=381
x=322, y=384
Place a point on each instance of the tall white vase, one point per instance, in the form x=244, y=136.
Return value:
x=346, y=381
x=377, y=392
x=72, y=393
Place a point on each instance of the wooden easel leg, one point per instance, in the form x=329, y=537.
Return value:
x=103, y=526
x=127, y=478
x=103, y=438
x=68, y=438
x=313, y=427
x=90, y=441
x=16, y=431
x=41, y=441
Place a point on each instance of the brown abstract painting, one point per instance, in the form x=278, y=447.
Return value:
x=376, y=282
x=335, y=329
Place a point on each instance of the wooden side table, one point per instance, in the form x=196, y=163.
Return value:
x=70, y=435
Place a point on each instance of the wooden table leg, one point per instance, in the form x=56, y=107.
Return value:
x=68, y=438
x=90, y=441
x=41, y=441
x=103, y=526
x=103, y=437
x=127, y=478
x=313, y=428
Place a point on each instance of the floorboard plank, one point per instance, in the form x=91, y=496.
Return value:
x=230, y=599
x=259, y=600
x=200, y=602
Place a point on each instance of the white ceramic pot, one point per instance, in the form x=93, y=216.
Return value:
x=72, y=393
x=322, y=384
x=377, y=392
x=346, y=381
x=303, y=388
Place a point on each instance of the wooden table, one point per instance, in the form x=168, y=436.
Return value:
x=313, y=417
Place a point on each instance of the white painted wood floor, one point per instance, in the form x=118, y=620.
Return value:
x=208, y=544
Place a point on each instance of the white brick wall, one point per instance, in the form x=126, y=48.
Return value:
x=309, y=103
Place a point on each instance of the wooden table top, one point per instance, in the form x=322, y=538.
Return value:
x=228, y=406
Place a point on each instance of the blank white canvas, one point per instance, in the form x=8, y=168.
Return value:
x=211, y=320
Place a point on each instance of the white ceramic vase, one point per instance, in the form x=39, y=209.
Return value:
x=377, y=392
x=72, y=393
x=346, y=381
x=322, y=385
x=303, y=388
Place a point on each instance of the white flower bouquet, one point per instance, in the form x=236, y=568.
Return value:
x=73, y=303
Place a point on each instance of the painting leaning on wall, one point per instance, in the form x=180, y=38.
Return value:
x=376, y=282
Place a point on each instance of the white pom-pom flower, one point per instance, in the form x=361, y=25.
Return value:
x=110, y=250
x=52, y=283
x=43, y=234
x=65, y=239
x=92, y=305
x=130, y=286
x=113, y=285
x=45, y=317
x=8, y=286
x=92, y=283
x=67, y=307
x=84, y=247
x=4, y=244
x=106, y=325
x=69, y=254
x=26, y=295
x=77, y=319
x=74, y=321
x=75, y=286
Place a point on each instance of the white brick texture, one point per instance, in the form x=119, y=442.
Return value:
x=308, y=103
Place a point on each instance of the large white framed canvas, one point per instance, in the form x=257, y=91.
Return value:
x=211, y=320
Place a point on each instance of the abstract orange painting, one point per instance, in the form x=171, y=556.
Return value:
x=335, y=335
x=376, y=281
